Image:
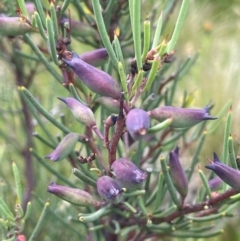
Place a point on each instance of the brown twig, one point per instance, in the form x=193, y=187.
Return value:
x=95, y=149
x=120, y=124
x=187, y=209
x=166, y=81
x=20, y=77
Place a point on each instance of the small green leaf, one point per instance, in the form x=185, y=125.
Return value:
x=17, y=182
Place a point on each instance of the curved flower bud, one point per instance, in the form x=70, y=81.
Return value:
x=95, y=79
x=81, y=112
x=228, y=174
x=178, y=175
x=109, y=103
x=127, y=174
x=95, y=57
x=108, y=189
x=181, y=117
x=74, y=195
x=137, y=123
x=64, y=148
x=13, y=26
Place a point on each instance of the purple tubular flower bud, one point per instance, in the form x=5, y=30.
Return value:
x=13, y=26
x=95, y=79
x=228, y=174
x=137, y=123
x=178, y=175
x=108, y=103
x=30, y=8
x=64, y=148
x=82, y=113
x=181, y=117
x=74, y=195
x=127, y=174
x=108, y=189
x=215, y=183
x=96, y=57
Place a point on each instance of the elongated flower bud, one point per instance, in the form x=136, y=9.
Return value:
x=109, y=104
x=181, y=117
x=137, y=123
x=13, y=26
x=95, y=57
x=178, y=175
x=215, y=183
x=108, y=189
x=74, y=195
x=64, y=148
x=30, y=8
x=95, y=79
x=228, y=174
x=127, y=174
x=82, y=113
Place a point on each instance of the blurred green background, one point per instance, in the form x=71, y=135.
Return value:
x=212, y=29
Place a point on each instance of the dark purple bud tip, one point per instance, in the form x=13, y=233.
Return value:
x=95, y=79
x=108, y=189
x=228, y=174
x=181, y=117
x=127, y=174
x=137, y=123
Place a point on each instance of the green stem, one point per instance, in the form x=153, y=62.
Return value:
x=123, y=81
x=205, y=183
x=52, y=170
x=226, y=135
x=17, y=182
x=51, y=39
x=54, y=21
x=40, y=11
x=83, y=177
x=136, y=29
x=42, y=58
x=157, y=32
x=178, y=26
x=103, y=32
x=232, y=156
x=40, y=223
x=22, y=6
x=147, y=34
x=196, y=155
x=152, y=73
x=42, y=110
x=40, y=26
